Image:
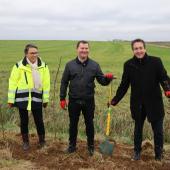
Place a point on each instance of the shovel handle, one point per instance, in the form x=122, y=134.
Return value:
x=108, y=124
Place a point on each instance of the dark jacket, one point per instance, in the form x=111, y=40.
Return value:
x=80, y=77
x=144, y=76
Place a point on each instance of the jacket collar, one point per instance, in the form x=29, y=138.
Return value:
x=24, y=62
x=84, y=63
x=141, y=60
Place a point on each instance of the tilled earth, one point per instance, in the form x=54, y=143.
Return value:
x=53, y=157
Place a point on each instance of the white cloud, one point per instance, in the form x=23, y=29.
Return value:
x=90, y=19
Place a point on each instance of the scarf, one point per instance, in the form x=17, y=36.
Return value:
x=35, y=74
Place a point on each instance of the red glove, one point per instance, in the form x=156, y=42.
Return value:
x=109, y=76
x=167, y=94
x=63, y=104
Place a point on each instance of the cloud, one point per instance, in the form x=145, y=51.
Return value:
x=90, y=19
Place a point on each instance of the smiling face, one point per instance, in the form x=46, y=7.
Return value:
x=32, y=55
x=83, y=51
x=139, y=49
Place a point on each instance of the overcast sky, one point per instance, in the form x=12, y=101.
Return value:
x=85, y=19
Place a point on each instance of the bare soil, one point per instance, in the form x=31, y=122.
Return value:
x=52, y=156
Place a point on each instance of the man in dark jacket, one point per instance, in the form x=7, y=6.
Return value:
x=80, y=74
x=144, y=74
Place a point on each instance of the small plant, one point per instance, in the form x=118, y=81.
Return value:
x=2, y=122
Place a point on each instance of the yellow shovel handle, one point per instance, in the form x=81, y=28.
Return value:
x=108, y=124
x=108, y=114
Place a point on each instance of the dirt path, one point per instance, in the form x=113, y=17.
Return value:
x=53, y=157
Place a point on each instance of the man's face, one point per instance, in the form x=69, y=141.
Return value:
x=139, y=49
x=83, y=51
x=32, y=54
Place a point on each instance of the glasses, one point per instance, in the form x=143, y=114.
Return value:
x=32, y=53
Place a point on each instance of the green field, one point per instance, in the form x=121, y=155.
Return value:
x=110, y=55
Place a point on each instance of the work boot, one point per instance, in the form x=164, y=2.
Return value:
x=158, y=153
x=136, y=156
x=158, y=157
x=42, y=142
x=25, y=139
x=91, y=150
x=70, y=149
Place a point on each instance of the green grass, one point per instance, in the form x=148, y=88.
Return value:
x=110, y=55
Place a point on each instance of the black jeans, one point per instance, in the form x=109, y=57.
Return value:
x=157, y=127
x=38, y=119
x=75, y=107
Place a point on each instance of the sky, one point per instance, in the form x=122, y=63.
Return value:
x=100, y=20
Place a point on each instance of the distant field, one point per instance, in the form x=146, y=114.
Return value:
x=110, y=55
x=163, y=44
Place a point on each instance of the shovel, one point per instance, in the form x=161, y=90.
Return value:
x=106, y=147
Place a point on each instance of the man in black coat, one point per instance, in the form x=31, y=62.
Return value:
x=80, y=75
x=144, y=74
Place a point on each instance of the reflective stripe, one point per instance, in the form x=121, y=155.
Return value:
x=11, y=91
x=45, y=92
x=36, y=91
x=21, y=99
x=23, y=91
x=36, y=99
x=32, y=90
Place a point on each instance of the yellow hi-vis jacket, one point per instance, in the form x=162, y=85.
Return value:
x=21, y=90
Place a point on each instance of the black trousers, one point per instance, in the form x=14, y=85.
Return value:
x=38, y=119
x=157, y=127
x=75, y=107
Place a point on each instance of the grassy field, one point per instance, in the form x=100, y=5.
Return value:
x=111, y=56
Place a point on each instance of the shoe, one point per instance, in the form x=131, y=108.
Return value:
x=25, y=139
x=136, y=156
x=70, y=149
x=41, y=145
x=25, y=146
x=158, y=157
x=91, y=150
x=42, y=142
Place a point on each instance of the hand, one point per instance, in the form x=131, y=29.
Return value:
x=109, y=76
x=167, y=94
x=45, y=105
x=63, y=104
x=10, y=105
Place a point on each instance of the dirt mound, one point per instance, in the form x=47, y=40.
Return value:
x=53, y=157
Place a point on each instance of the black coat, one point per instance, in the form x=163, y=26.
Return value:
x=144, y=76
x=80, y=78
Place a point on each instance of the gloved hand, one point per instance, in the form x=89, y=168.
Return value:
x=10, y=105
x=45, y=105
x=167, y=94
x=109, y=76
x=63, y=104
x=113, y=102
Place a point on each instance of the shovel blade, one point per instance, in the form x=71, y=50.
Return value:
x=106, y=148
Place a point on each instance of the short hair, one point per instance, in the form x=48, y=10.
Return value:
x=82, y=42
x=28, y=46
x=137, y=40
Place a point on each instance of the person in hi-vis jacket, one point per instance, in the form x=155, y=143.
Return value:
x=29, y=86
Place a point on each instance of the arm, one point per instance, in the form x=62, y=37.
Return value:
x=163, y=77
x=123, y=87
x=13, y=81
x=101, y=79
x=46, y=85
x=64, y=83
